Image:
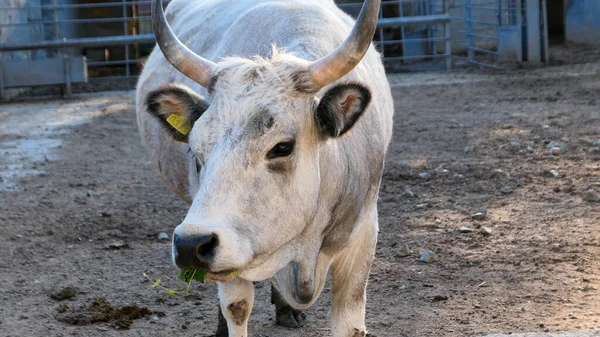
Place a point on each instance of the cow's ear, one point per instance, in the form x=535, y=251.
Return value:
x=341, y=107
x=177, y=107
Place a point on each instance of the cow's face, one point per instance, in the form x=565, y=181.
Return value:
x=257, y=149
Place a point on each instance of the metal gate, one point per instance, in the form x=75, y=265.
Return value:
x=411, y=34
x=492, y=32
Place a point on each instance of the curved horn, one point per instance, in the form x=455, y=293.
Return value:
x=181, y=57
x=345, y=57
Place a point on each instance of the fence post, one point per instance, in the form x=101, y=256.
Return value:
x=1, y=78
x=469, y=27
x=126, y=32
x=67, y=65
x=545, y=32
x=534, y=52
x=447, y=42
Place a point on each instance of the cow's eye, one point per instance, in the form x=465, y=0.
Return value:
x=282, y=149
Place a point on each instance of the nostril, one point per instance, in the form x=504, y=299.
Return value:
x=195, y=251
x=206, y=248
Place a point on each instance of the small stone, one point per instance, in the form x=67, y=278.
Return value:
x=485, y=230
x=404, y=251
x=520, y=183
x=546, y=126
x=423, y=206
x=500, y=173
x=536, y=138
x=595, y=150
x=424, y=175
x=564, y=139
x=407, y=193
x=596, y=143
x=117, y=245
x=552, y=144
x=89, y=193
x=529, y=149
x=428, y=256
x=458, y=177
x=64, y=294
x=478, y=216
x=464, y=229
x=556, y=150
x=154, y=319
x=468, y=149
x=554, y=173
x=476, y=123
x=590, y=195
x=506, y=190
x=162, y=236
x=404, y=164
x=514, y=146
x=441, y=171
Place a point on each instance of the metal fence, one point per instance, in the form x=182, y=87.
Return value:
x=114, y=36
x=411, y=34
x=76, y=39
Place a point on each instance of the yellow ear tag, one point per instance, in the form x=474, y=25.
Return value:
x=179, y=123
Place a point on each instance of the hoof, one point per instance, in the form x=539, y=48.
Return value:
x=290, y=318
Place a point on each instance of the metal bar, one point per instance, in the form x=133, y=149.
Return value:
x=483, y=8
x=415, y=57
x=126, y=32
x=435, y=39
x=67, y=64
x=469, y=27
x=533, y=31
x=414, y=19
x=545, y=32
x=475, y=49
x=519, y=23
x=102, y=20
x=482, y=64
x=1, y=78
x=92, y=5
x=94, y=64
x=482, y=22
x=498, y=15
x=402, y=28
x=56, y=24
x=80, y=42
x=448, y=44
x=475, y=35
x=381, y=31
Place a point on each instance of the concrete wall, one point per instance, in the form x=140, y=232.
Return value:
x=583, y=21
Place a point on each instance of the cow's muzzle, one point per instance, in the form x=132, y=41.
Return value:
x=194, y=252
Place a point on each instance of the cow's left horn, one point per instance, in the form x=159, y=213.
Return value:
x=181, y=57
x=344, y=58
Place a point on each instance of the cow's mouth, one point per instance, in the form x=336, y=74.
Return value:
x=222, y=276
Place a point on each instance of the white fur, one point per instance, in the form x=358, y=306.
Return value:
x=267, y=222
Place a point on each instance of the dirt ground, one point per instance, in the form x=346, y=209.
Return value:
x=80, y=207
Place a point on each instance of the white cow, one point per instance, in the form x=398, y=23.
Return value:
x=279, y=146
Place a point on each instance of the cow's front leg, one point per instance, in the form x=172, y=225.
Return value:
x=236, y=298
x=350, y=272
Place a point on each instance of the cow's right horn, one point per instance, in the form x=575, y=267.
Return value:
x=344, y=58
x=181, y=57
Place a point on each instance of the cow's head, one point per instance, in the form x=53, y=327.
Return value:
x=257, y=145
